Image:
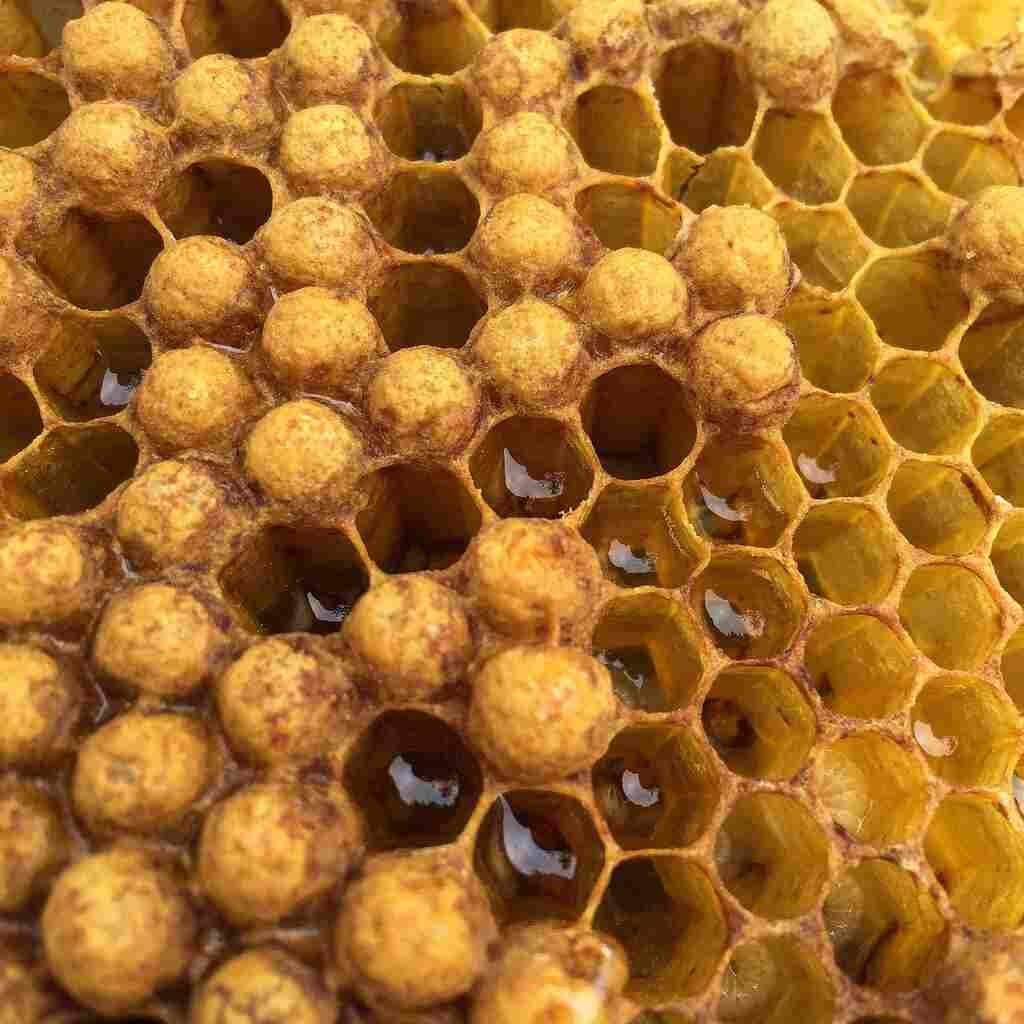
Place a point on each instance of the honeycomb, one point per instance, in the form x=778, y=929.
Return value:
x=511, y=511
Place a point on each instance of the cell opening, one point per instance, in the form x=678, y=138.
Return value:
x=532, y=466
x=416, y=517
x=501, y=15
x=425, y=304
x=97, y=262
x=217, y=197
x=846, y=554
x=724, y=179
x=992, y=353
x=435, y=122
x=629, y=216
x=94, y=368
x=31, y=107
x=33, y=28
x=640, y=537
x=1008, y=556
x=937, y=508
x=703, y=100
x=967, y=100
x=885, y=928
x=70, y=471
x=668, y=917
x=656, y=788
x=651, y=649
x=759, y=723
x=242, y=28
x=616, y=131
x=538, y=855
x=950, y=615
x=824, y=244
x=414, y=779
x=877, y=118
x=638, y=422
x=295, y=581
x=426, y=211
x=801, y=154
x=963, y=165
x=749, y=605
x=772, y=855
x=896, y=209
x=875, y=791
x=21, y=422
x=431, y=39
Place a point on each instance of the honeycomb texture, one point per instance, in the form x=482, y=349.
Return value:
x=467, y=464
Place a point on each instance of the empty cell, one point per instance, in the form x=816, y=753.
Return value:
x=703, y=100
x=425, y=304
x=414, y=779
x=50, y=16
x=977, y=854
x=70, y=471
x=435, y=122
x=656, y=787
x=950, y=615
x=937, y=508
x=629, y=216
x=969, y=731
x=641, y=537
x=532, y=466
x=616, y=131
x=501, y=15
x=243, y=28
x=998, y=454
x=749, y=604
x=896, y=209
x=651, y=649
x=801, y=154
x=964, y=165
x=878, y=119
x=431, y=39
x=772, y=855
x=21, y=423
x=724, y=179
x=992, y=353
x=875, y=791
x=31, y=107
x=925, y=406
x=885, y=928
x=969, y=100
x=295, y=581
x=759, y=723
x=824, y=244
x=668, y=917
x=538, y=855
x=837, y=446
x=1013, y=669
x=638, y=421
x=1008, y=556
x=914, y=301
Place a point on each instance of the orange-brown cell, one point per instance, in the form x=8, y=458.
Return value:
x=522, y=68
x=326, y=58
x=219, y=95
x=34, y=845
x=525, y=153
x=328, y=150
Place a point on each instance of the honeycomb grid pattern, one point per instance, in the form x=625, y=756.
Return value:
x=811, y=623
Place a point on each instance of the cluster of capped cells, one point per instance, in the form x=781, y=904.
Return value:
x=511, y=511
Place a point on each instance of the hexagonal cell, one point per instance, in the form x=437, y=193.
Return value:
x=656, y=787
x=896, y=209
x=638, y=422
x=501, y=15
x=21, y=423
x=977, y=854
x=216, y=197
x=434, y=122
x=837, y=447
x=885, y=928
x=992, y=353
x=964, y=165
x=532, y=466
x=970, y=100
x=724, y=179
x=859, y=666
x=759, y=722
x=772, y=855
x=802, y=155
x=616, y=130
x=426, y=210
x=650, y=647
x=414, y=780
x=773, y=981
x=33, y=28
x=742, y=491
x=937, y=508
x=431, y=39
x=998, y=454
x=243, y=28
x=71, y=470
x=750, y=605
x=640, y=536
x=837, y=347
x=702, y=98
x=876, y=791
x=99, y=262
x=425, y=304
x=539, y=856
x=416, y=517
x=94, y=368
x=31, y=107
x=950, y=615
x=1008, y=556
x=877, y=118
x=295, y=581
x=629, y=216
x=824, y=244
